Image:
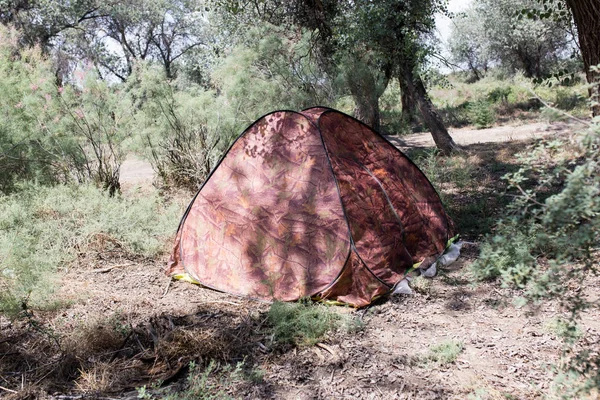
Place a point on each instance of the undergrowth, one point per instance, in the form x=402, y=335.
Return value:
x=444, y=353
x=45, y=229
x=547, y=243
x=207, y=384
x=504, y=99
x=304, y=323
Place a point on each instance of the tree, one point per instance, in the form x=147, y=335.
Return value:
x=396, y=30
x=586, y=14
x=467, y=43
x=158, y=30
x=364, y=44
x=41, y=21
x=111, y=35
x=495, y=31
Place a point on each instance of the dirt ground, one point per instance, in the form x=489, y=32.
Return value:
x=508, y=352
x=468, y=136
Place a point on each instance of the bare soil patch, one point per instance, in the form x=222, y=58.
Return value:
x=468, y=136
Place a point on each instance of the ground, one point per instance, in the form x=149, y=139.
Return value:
x=127, y=326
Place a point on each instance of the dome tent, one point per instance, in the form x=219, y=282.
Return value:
x=311, y=204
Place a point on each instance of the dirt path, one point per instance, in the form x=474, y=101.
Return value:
x=467, y=136
x=136, y=172
x=507, y=352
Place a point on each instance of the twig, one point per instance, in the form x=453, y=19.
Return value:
x=110, y=268
x=8, y=390
x=327, y=348
x=586, y=123
x=167, y=288
x=216, y=301
x=114, y=355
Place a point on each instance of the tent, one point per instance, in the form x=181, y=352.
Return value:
x=310, y=204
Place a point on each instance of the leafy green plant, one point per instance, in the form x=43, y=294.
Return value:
x=555, y=217
x=183, y=132
x=31, y=146
x=499, y=94
x=304, y=323
x=421, y=285
x=567, y=100
x=50, y=133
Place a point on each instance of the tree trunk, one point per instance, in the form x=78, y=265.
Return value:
x=366, y=101
x=366, y=88
x=367, y=111
x=409, y=108
x=432, y=119
x=586, y=14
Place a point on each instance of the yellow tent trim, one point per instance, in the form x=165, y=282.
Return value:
x=185, y=277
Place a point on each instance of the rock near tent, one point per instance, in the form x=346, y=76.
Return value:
x=310, y=204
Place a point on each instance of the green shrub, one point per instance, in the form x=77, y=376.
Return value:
x=568, y=100
x=29, y=147
x=44, y=229
x=481, y=114
x=271, y=71
x=499, y=94
x=305, y=323
x=50, y=133
x=555, y=217
x=181, y=131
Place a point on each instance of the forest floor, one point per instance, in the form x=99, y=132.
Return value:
x=127, y=326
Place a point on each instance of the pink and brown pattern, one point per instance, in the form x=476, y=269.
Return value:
x=310, y=204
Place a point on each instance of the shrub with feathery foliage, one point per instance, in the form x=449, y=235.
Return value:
x=44, y=229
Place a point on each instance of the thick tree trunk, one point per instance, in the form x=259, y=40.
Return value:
x=432, y=119
x=409, y=109
x=362, y=88
x=366, y=89
x=367, y=110
x=586, y=14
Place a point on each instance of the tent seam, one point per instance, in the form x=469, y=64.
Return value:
x=352, y=243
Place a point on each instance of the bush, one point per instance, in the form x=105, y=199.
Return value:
x=567, y=100
x=57, y=134
x=272, y=70
x=481, y=114
x=29, y=147
x=100, y=118
x=44, y=229
x=499, y=94
x=182, y=132
x=556, y=219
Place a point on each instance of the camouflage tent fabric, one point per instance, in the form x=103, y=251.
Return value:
x=311, y=204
